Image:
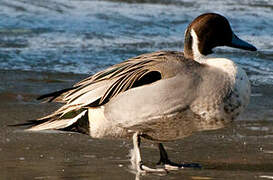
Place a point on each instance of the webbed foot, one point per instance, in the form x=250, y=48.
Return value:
x=169, y=165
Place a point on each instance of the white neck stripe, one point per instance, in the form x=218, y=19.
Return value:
x=197, y=56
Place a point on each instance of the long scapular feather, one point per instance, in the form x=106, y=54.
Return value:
x=94, y=87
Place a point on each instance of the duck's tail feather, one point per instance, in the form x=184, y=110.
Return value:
x=78, y=123
x=29, y=123
x=56, y=123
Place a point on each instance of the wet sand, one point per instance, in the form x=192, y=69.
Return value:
x=244, y=150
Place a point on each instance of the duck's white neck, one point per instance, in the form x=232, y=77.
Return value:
x=197, y=56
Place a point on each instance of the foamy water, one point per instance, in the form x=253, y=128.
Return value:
x=86, y=36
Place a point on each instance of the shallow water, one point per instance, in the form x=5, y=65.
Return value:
x=85, y=36
x=49, y=45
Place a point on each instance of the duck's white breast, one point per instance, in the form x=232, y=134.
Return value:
x=229, y=101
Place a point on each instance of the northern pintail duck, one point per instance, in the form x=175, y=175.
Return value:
x=160, y=96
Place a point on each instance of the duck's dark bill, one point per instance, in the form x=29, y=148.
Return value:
x=238, y=43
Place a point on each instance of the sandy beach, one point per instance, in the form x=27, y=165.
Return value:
x=244, y=150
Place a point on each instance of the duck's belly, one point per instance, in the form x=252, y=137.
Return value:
x=182, y=124
x=162, y=128
x=169, y=127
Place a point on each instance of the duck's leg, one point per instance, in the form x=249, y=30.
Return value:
x=171, y=165
x=136, y=158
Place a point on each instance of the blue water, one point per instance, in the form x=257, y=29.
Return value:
x=83, y=36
